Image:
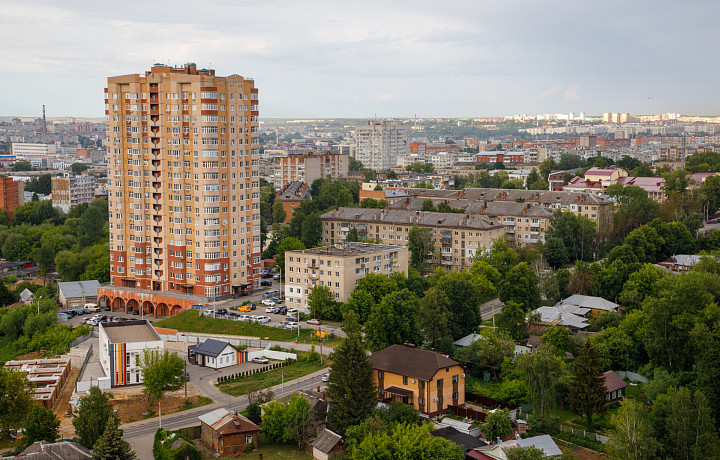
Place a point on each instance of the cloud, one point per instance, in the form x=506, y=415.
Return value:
x=322, y=58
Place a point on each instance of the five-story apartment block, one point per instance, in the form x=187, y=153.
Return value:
x=183, y=181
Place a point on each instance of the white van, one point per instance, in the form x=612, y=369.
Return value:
x=92, y=307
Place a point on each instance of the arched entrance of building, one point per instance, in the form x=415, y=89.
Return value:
x=131, y=306
x=162, y=309
x=148, y=308
x=175, y=310
x=118, y=304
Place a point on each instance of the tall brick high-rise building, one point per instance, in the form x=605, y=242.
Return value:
x=183, y=187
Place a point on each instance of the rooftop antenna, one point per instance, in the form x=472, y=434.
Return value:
x=44, y=121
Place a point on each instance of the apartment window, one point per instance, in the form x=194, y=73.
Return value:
x=440, y=383
x=455, y=379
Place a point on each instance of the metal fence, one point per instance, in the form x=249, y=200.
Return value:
x=81, y=339
x=199, y=338
x=468, y=413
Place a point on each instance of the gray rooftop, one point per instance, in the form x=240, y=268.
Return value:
x=65, y=450
x=467, y=340
x=326, y=441
x=211, y=347
x=486, y=208
x=130, y=331
x=497, y=194
x=588, y=301
x=294, y=191
x=543, y=442
x=422, y=219
x=349, y=249
x=72, y=289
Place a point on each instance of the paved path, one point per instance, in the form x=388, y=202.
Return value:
x=140, y=434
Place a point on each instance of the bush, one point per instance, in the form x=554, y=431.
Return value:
x=164, y=452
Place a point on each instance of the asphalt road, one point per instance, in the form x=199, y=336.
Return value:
x=490, y=308
x=140, y=434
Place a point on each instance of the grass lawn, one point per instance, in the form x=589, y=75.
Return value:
x=191, y=321
x=274, y=451
x=261, y=380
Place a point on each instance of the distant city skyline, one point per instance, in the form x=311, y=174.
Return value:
x=322, y=59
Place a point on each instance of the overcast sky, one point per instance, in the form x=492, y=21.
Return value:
x=387, y=58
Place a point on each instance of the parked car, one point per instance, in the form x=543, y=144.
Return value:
x=253, y=318
x=263, y=319
x=252, y=306
x=713, y=221
x=260, y=360
x=244, y=318
x=136, y=312
x=314, y=322
x=291, y=318
x=107, y=307
x=270, y=309
x=265, y=283
x=291, y=325
x=221, y=311
x=268, y=303
x=275, y=299
x=266, y=275
x=276, y=277
x=325, y=377
x=281, y=310
x=244, y=308
x=292, y=310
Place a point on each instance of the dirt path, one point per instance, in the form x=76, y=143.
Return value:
x=62, y=405
x=132, y=405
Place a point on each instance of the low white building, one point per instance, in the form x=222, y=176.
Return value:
x=214, y=353
x=121, y=348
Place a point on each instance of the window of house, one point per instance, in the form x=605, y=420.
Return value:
x=381, y=374
x=421, y=401
x=455, y=396
x=421, y=384
x=405, y=380
x=248, y=439
x=440, y=383
x=455, y=379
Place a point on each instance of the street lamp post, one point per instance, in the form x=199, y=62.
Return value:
x=38, y=304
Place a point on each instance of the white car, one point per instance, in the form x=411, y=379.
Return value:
x=260, y=360
x=270, y=310
x=262, y=319
x=291, y=325
x=325, y=378
x=292, y=310
x=268, y=303
x=243, y=318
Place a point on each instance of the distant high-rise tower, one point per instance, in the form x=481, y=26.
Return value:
x=183, y=186
x=380, y=143
x=44, y=121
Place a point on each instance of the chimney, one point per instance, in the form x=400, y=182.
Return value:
x=524, y=211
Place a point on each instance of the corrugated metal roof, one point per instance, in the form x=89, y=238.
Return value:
x=326, y=441
x=71, y=289
x=543, y=442
x=467, y=340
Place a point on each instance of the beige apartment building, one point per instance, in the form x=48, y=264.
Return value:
x=586, y=204
x=308, y=166
x=457, y=236
x=524, y=223
x=339, y=267
x=183, y=185
x=70, y=190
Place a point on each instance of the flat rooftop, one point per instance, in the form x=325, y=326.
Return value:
x=350, y=249
x=130, y=331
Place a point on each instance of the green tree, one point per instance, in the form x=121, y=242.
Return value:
x=631, y=437
x=485, y=356
x=428, y=205
x=111, y=445
x=22, y=166
x=94, y=412
x=690, y=428
x=587, y=393
x=576, y=232
x=352, y=235
x=558, y=337
x=407, y=441
x=92, y=227
x=361, y=303
x=15, y=399
x=41, y=425
x=501, y=256
x=78, y=168
x=312, y=230
x=521, y=285
x=433, y=320
x=393, y=321
x=299, y=419
x=287, y=244
x=322, y=304
x=555, y=252
x=278, y=212
x=420, y=244
x=350, y=389
x=525, y=453
x=570, y=161
x=512, y=321
x=161, y=372
x=497, y=425
x=42, y=184
x=543, y=374
x=274, y=422
x=465, y=292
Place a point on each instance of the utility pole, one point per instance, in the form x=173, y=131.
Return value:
x=159, y=414
x=185, y=377
x=282, y=380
